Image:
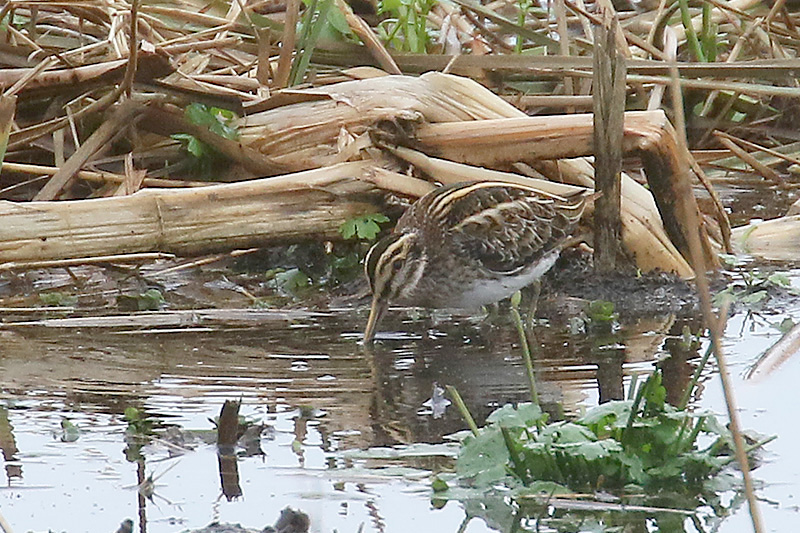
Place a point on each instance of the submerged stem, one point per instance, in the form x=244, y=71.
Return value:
x=462, y=407
x=687, y=393
x=526, y=355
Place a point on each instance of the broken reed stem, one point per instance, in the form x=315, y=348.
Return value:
x=288, y=42
x=19, y=139
x=100, y=176
x=713, y=322
x=8, y=106
x=609, y=113
x=462, y=408
x=4, y=525
x=113, y=126
x=719, y=211
x=133, y=50
x=563, y=42
x=766, y=172
x=369, y=38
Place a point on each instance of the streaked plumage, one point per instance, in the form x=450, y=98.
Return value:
x=468, y=245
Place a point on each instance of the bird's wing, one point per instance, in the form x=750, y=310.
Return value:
x=506, y=228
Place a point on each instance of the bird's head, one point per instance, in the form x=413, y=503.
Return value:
x=394, y=267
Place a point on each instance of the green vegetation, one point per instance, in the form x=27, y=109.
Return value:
x=406, y=25
x=218, y=121
x=141, y=428
x=636, y=445
x=150, y=300
x=320, y=20
x=291, y=282
x=139, y=422
x=58, y=299
x=325, y=266
x=752, y=287
x=69, y=431
x=642, y=451
x=365, y=227
x=601, y=312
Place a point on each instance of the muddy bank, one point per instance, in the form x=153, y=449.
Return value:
x=633, y=294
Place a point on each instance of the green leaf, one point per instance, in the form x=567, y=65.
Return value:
x=389, y=6
x=730, y=260
x=69, y=431
x=218, y=121
x=58, y=299
x=786, y=325
x=608, y=412
x=198, y=115
x=654, y=394
x=192, y=144
x=484, y=457
x=593, y=450
x=754, y=297
x=566, y=432
x=150, y=300
x=780, y=279
x=524, y=415
x=365, y=227
x=297, y=447
x=439, y=485
x=337, y=20
x=601, y=311
x=132, y=414
x=291, y=281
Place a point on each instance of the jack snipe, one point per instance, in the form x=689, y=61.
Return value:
x=468, y=245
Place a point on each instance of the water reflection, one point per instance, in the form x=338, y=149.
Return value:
x=325, y=393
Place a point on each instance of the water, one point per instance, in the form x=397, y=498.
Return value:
x=307, y=378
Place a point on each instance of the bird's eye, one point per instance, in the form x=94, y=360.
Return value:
x=397, y=265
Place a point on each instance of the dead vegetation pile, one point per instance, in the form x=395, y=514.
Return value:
x=122, y=145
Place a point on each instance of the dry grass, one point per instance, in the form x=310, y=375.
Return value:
x=85, y=105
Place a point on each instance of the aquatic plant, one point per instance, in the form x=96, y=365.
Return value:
x=633, y=445
x=641, y=446
x=752, y=287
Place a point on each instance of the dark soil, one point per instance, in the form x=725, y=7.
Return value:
x=634, y=295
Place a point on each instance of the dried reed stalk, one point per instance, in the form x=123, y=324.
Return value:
x=307, y=205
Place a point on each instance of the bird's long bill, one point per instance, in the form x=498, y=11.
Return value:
x=376, y=312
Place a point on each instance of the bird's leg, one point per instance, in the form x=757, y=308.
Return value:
x=533, y=290
x=491, y=312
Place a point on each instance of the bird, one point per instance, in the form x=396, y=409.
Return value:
x=469, y=244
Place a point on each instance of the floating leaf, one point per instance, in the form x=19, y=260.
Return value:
x=69, y=431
